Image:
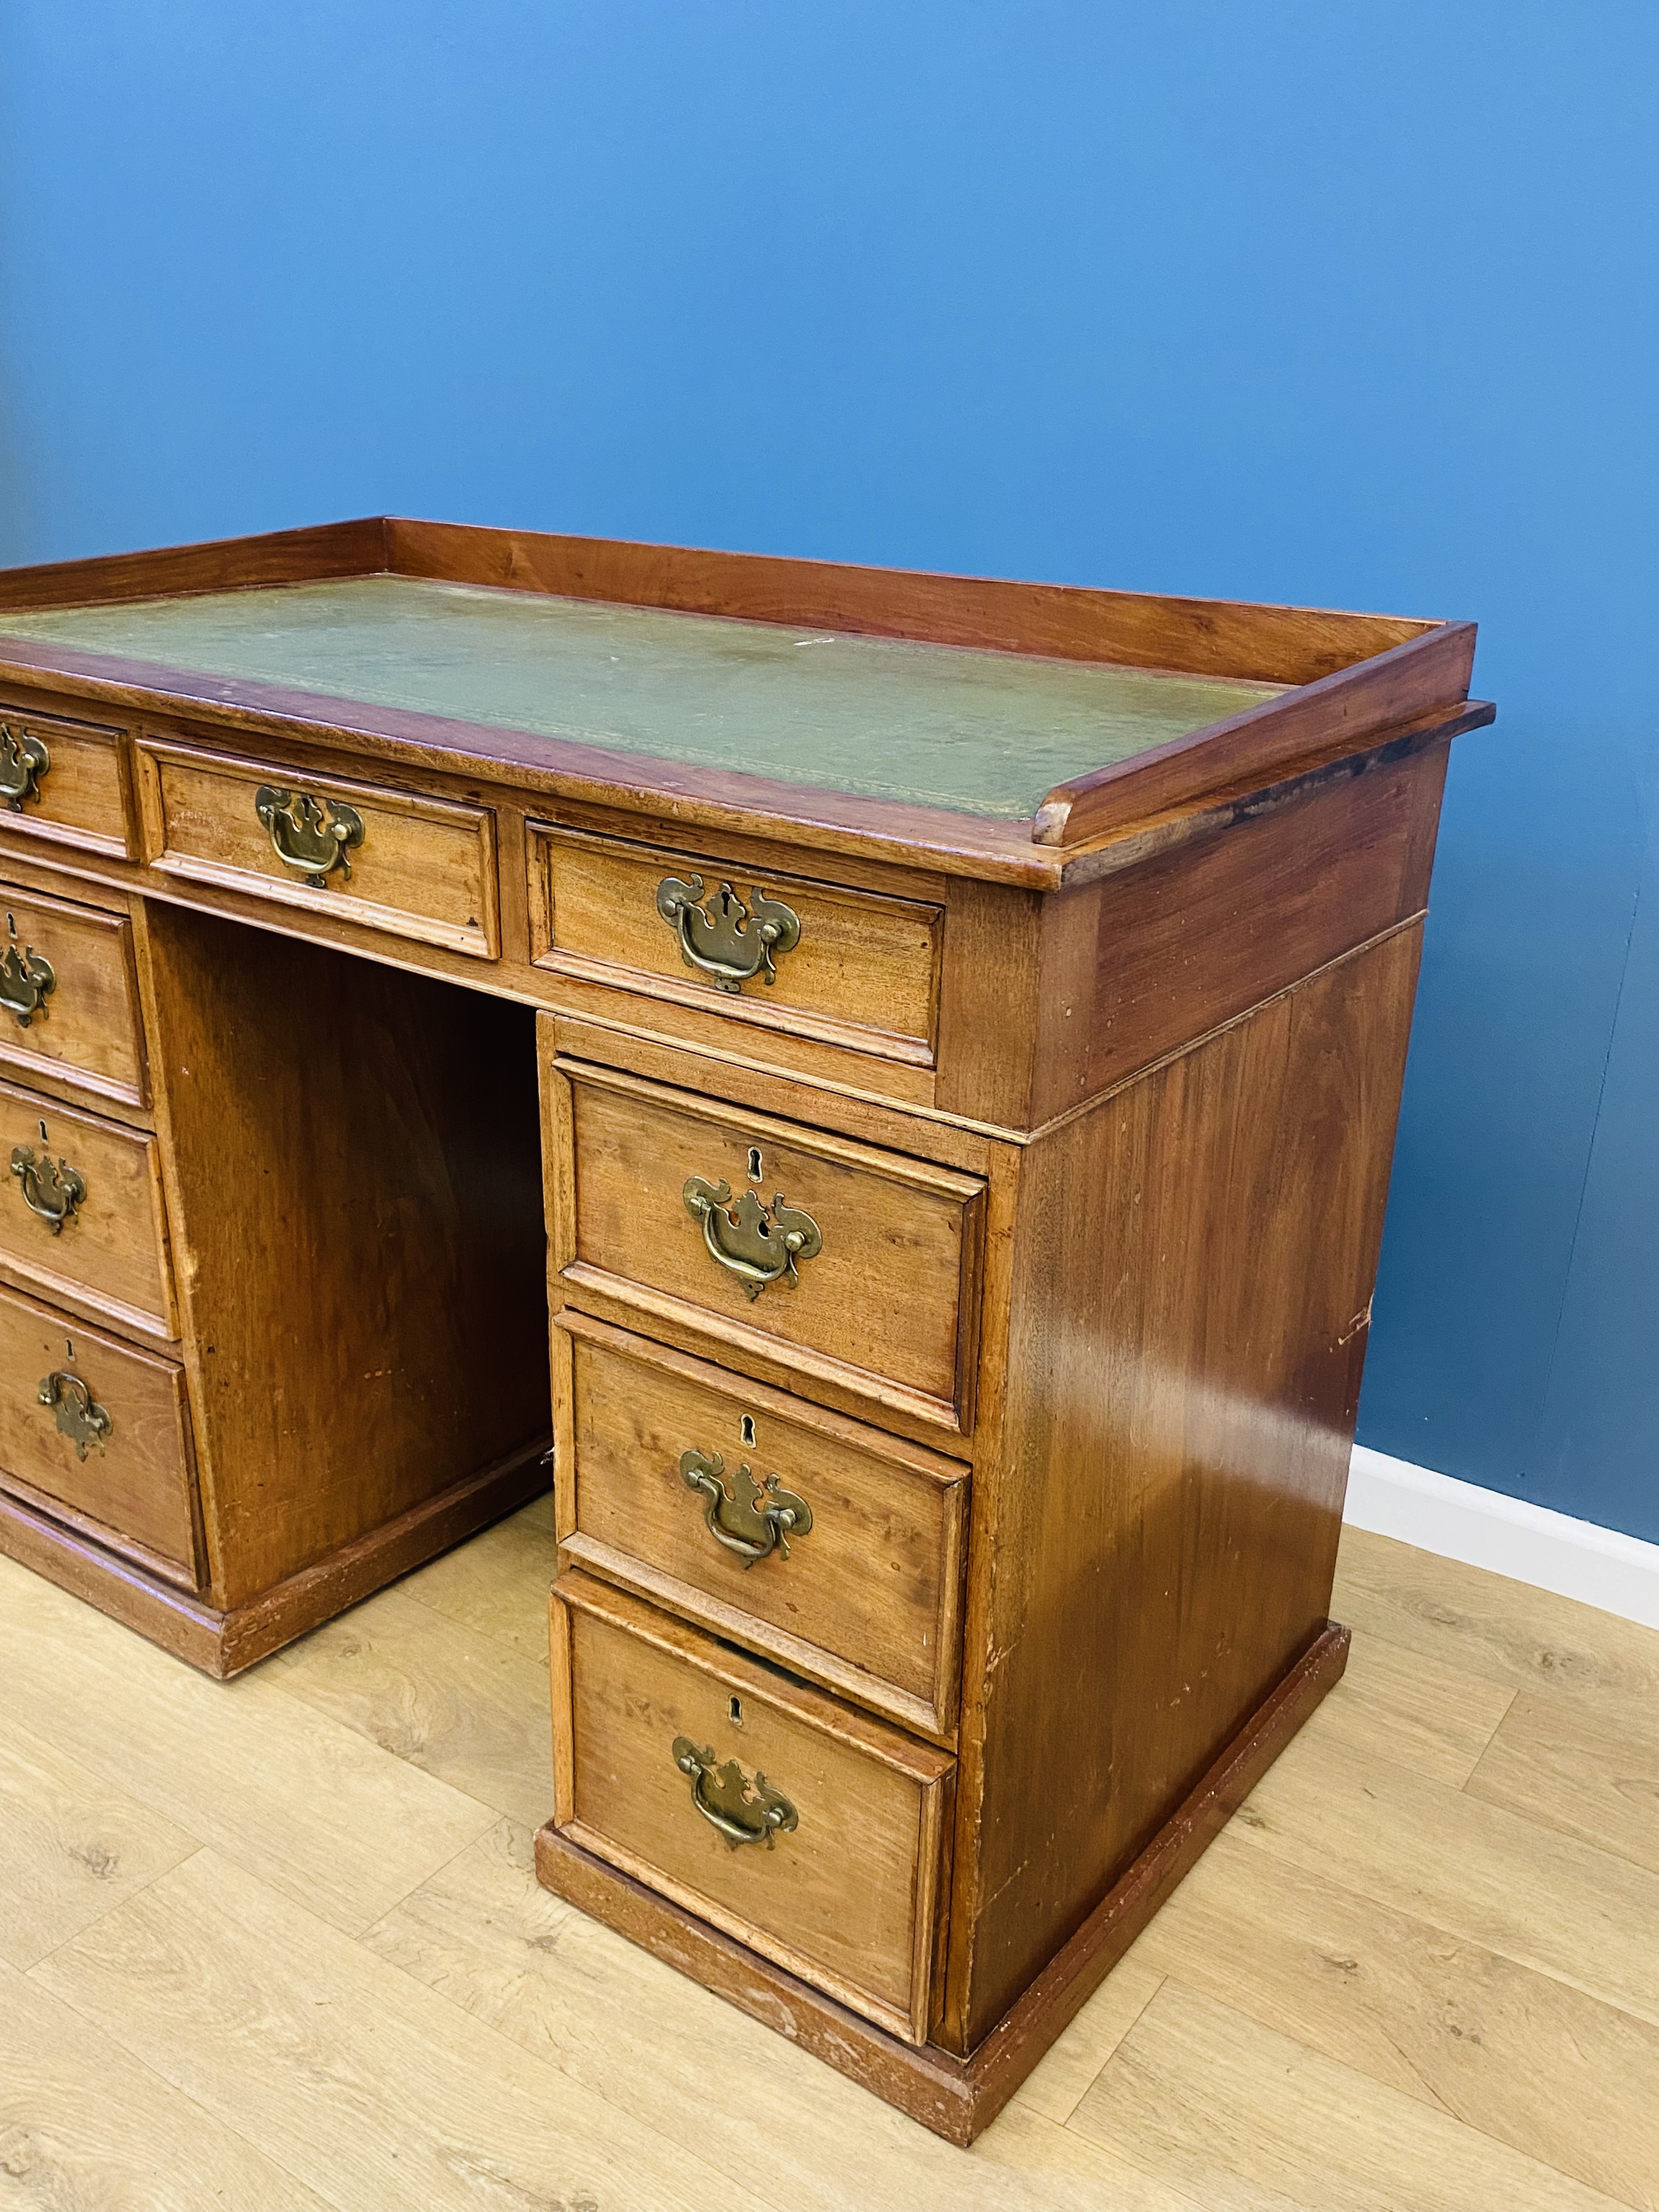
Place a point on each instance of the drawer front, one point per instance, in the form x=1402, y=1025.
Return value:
x=60, y=782
x=417, y=867
x=878, y=1294
x=98, y=1433
x=849, y=967
x=69, y=995
x=819, y=1542
x=82, y=1215
x=829, y=1866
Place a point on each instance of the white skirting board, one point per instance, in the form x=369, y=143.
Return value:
x=1485, y=1529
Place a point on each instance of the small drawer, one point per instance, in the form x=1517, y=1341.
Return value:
x=83, y=1217
x=847, y=966
x=61, y=782
x=98, y=1434
x=816, y=1256
x=414, y=866
x=69, y=995
x=797, y=1825
x=820, y=1543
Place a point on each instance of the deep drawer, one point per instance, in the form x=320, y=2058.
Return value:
x=69, y=995
x=82, y=1215
x=60, y=782
x=393, y=860
x=97, y=1432
x=823, y=1258
x=801, y=1826
x=841, y=1558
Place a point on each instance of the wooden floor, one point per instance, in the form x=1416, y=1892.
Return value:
x=276, y=1943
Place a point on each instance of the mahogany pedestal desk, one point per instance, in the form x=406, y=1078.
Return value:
x=968, y=1020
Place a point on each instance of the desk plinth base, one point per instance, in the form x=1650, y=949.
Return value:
x=222, y=1643
x=956, y=2098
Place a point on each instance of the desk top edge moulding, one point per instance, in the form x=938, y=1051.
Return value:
x=1140, y=704
x=877, y=1088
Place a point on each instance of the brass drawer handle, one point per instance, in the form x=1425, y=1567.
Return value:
x=80, y=1417
x=758, y=1244
x=741, y=1811
x=723, y=939
x=24, y=979
x=23, y=761
x=51, y=1188
x=311, y=835
x=746, y=1526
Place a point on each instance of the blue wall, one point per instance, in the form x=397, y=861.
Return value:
x=1348, y=306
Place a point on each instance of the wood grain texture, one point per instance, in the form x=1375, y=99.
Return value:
x=425, y=869
x=1289, y=645
x=1302, y=1953
x=136, y=1490
x=1417, y=1710
x=279, y=556
x=741, y=1081
x=88, y=1032
x=1503, y=1631
x=496, y=1585
x=75, y=1845
x=1067, y=2165
x=306, y=1804
x=1056, y=2087
x=565, y=1988
x=863, y=974
x=1194, y=1267
x=1139, y=964
x=1301, y=647
x=1510, y=2052
x=458, y=1705
x=361, y=1215
x=1574, y=1772
x=866, y=1602
x=1475, y=1871
x=111, y=1253
x=135, y=2145
x=81, y=792
x=1243, y=2120
x=956, y=2097
x=133, y=1588
x=887, y=1307
x=848, y=1897
x=1364, y=703
x=253, y=2008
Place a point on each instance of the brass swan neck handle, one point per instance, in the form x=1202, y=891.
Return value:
x=80, y=1417
x=754, y=1528
x=24, y=760
x=312, y=837
x=739, y=1811
x=52, y=1188
x=26, y=978
x=723, y=939
x=757, y=1243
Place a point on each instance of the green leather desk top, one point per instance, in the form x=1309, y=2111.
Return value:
x=981, y=732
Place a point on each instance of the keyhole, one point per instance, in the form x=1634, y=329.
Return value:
x=68, y=1346
x=43, y=1133
x=734, y=1712
x=754, y=1164
x=746, y=1430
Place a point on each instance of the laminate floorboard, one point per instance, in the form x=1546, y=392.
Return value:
x=85, y=2127
x=72, y=1845
x=1554, y=1761
x=278, y=1943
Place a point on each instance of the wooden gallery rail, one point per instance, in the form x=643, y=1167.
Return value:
x=931, y=1047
